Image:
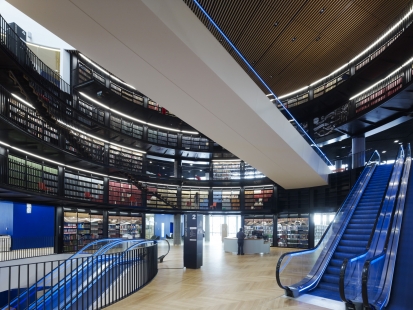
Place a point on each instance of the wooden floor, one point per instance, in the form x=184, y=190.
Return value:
x=225, y=281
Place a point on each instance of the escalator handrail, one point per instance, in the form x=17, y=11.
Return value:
x=386, y=203
x=115, y=261
x=352, y=199
x=50, y=274
x=392, y=250
x=93, y=258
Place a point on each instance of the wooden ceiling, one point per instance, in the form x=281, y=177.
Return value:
x=292, y=43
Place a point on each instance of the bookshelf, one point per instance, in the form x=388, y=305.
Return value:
x=126, y=127
x=226, y=170
x=292, y=232
x=194, y=198
x=31, y=175
x=226, y=199
x=91, y=111
x=195, y=143
x=122, y=193
x=30, y=121
x=83, y=187
x=258, y=197
x=93, y=147
x=163, y=138
x=70, y=232
x=125, y=159
x=126, y=93
x=263, y=224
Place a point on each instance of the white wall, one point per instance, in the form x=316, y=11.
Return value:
x=40, y=35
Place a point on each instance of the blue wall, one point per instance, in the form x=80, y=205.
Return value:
x=6, y=218
x=166, y=219
x=28, y=230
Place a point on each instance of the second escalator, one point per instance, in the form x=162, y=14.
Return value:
x=357, y=233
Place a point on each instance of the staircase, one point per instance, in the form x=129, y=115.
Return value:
x=144, y=188
x=357, y=234
x=28, y=90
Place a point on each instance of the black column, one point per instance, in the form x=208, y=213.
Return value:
x=58, y=234
x=105, y=190
x=105, y=225
x=60, y=181
x=193, y=240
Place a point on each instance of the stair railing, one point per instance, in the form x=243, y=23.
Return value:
x=305, y=268
x=377, y=275
x=351, y=270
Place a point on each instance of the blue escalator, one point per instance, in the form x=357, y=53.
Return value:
x=400, y=298
x=357, y=233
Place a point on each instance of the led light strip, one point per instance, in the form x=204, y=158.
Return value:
x=22, y=101
x=259, y=78
x=57, y=163
x=355, y=58
x=100, y=139
x=135, y=119
x=391, y=74
x=219, y=160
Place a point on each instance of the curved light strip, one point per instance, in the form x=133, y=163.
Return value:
x=22, y=101
x=100, y=139
x=356, y=57
x=375, y=84
x=57, y=163
x=135, y=119
x=258, y=76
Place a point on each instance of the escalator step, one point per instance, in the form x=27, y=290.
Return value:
x=328, y=286
x=351, y=249
x=350, y=243
x=329, y=278
x=333, y=270
x=355, y=237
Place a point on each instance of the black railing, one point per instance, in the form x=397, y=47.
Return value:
x=89, y=282
x=28, y=60
x=25, y=247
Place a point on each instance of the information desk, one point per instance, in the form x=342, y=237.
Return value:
x=251, y=246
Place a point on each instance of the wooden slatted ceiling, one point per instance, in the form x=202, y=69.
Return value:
x=324, y=41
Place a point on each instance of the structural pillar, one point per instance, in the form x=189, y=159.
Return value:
x=177, y=229
x=207, y=228
x=358, y=151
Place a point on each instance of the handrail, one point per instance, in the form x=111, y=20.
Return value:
x=350, y=272
x=25, y=57
x=386, y=260
x=325, y=248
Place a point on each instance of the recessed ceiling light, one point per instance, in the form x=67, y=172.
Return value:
x=400, y=142
x=275, y=24
x=337, y=156
x=271, y=76
x=395, y=141
x=343, y=147
x=150, y=162
x=163, y=167
x=384, y=152
x=322, y=10
x=293, y=39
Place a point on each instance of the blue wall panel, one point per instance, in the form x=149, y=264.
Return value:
x=6, y=218
x=166, y=219
x=32, y=230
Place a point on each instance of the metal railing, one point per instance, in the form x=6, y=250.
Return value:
x=108, y=274
x=25, y=247
x=313, y=262
x=378, y=272
x=28, y=60
x=351, y=269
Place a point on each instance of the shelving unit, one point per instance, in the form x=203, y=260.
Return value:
x=262, y=224
x=28, y=174
x=195, y=143
x=126, y=127
x=28, y=119
x=122, y=193
x=258, y=197
x=125, y=158
x=91, y=111
x=226, y=170
x=160, y=137
x=194, y=198
x=70, y=232
x=293, y=232
x=93, y=147
x=226, y=199
x=83, y=187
